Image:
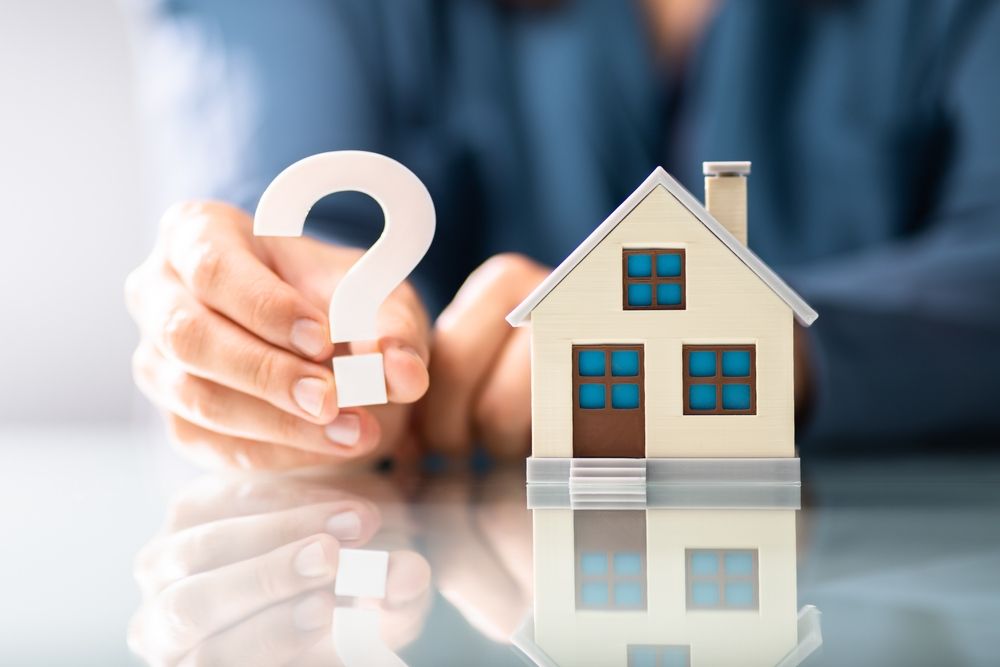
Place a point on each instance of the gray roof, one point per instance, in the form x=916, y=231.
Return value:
x=804, y=314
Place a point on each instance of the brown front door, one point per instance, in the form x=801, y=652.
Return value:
x=608, y=401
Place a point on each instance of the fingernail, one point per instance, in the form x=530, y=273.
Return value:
x=345, y=429
x=344, y=526
x=309, y=394
x=307, y=337
x=311, y=561
x=313, y=613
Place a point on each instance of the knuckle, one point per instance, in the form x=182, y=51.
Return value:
x=177, y=614
x=268, y=582
x=288, y=428
x=264, y=372
x=184, y=333
x=208, y=266
x=269, y=303
x=198, y=398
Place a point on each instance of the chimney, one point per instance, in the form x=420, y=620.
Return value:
x=726, y=195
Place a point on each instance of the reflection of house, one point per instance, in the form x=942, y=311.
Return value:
x=666, y=587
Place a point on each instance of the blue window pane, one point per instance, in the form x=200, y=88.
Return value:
x=668, y=265
x=701, y=363
x=591, y=396
x=591, y=363
x=736, y=363
x=625, y=362
x=628, y=594
x=640, y=295
x=675, y=656
x=668, y=294
x=739, y=594
x=739, y=563
x=705, y=594
x=641, y=656
x=640, y=266
x=736, y=396
x=594, y=594
x=704, y=563
x=594, y=563
x=625, y=396
x=627, y=563
x=701, y=396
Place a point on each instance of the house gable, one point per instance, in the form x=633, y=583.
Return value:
x=659, y=179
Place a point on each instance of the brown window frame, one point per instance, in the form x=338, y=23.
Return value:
x=720, y=579
x=608, y=380
x=653, y=279
x=718, y=380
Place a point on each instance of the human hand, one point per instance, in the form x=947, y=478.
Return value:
x=242, y=574
x=235, y=345
x=481, y=367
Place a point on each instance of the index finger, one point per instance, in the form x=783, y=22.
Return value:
x=208, y=246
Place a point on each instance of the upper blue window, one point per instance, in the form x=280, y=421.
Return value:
x=653, y=279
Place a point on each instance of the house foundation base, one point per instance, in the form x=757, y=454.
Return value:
x=627, y=473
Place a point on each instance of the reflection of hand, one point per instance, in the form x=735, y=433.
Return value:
x=480, y=549
x=242, y=575
x=236, y=344
x=481, y=368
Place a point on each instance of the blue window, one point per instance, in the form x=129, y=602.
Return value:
x=628, y=594
x=628, y=562
x=722, y=578
x=640, y=266
x=625, y=396
x=668, y=294
x=701, y=396
x=701, y=363
x=736, y=363
x=592, y=396
x=624, y=362
x=653, y=279
x=640, y=295
x=735, y=397
x=668, y=265
x=594, y=594
x=705, y=563
x=591, y=363
x=719, y=380
x=594, y=563
x=600, y=376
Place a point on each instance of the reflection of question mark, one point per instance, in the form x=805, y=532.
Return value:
x=409, y=229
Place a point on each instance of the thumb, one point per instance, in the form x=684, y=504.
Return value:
x=404, y=335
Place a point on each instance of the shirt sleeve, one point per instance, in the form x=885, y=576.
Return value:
x=908, y=341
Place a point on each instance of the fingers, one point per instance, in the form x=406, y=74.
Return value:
x=469, y=337
x=209, y=245
x=503, y=405
x=212, y=545
x=210, y=346
x=199, y=606
x=275, y=636
x=228, y=412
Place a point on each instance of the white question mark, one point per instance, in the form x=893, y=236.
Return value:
x=409, y=229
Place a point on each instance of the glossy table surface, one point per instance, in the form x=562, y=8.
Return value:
x=894, y=560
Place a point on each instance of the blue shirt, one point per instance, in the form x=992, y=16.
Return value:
x=873, y=128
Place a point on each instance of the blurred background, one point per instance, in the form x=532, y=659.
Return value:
x=75, y=215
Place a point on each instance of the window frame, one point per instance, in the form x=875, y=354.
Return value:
x=608, y=380
x=721, y=579
x=719, y=380
x=654, y=280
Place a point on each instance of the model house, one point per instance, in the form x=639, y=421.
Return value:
x=665, y=587
x=663, y=337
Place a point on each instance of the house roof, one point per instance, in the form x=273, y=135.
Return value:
x=804, y=314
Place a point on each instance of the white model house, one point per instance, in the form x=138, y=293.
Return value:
x=663, y=587
x=662, y=336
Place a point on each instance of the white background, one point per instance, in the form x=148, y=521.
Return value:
x=74, y=215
